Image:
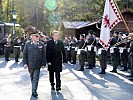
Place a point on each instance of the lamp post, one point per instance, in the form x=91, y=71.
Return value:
x=14, y=16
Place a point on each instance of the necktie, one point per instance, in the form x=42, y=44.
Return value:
x=35, y=44
x=56, y=42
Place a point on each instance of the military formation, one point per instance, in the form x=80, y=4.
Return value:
x=40, y=50
x=88, y=49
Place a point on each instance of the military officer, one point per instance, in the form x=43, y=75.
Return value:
x=33, y=59
x=81, y=52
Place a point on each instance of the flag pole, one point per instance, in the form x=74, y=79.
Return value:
x=122, y=17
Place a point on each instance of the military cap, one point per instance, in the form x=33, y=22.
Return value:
x=35, y=33
x=90, y=31
x=116, y=32
x=82, y=35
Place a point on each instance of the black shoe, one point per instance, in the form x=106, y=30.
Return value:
x=102, y=72
x=16, y=61
x=90, y=67
x=114, y=71
x=34, y=94
x=73, y=62
x=130, y=75
x=131, y=80
x=7, y=60
x=52, y=88
x=81, y=69
x=124, y=69
x=58, y=89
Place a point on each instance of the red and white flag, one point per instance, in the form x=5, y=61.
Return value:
x=111, y=17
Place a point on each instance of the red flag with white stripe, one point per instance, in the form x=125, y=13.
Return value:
x=111, y=17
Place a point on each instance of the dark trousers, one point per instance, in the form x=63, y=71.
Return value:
x=115, y=57
x=81, y=57
x=34, y=75
x=103, y=59
x=131, y=59
x=57, y=76
x=16, y=53
x=73, y=54
x=91, y=58
x=7, y=51
x=68, y=55
x=124, y=59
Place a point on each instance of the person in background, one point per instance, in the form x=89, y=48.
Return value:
x=81, y=52
x=17, y=47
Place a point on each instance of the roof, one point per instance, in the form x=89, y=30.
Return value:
x=77, y=24
x=127, y=11
x=11, y=24
x=1, y=23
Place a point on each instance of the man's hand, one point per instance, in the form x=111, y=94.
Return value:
x=49, y=64
x=43, y=66
x=25, y=66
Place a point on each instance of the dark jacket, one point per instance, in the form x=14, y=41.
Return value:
x=34, y=57
x=54, y=54
x=81, y=44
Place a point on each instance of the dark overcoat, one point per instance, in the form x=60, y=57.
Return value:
x=55, y=54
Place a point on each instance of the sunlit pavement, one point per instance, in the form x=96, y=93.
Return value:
x=88, y=85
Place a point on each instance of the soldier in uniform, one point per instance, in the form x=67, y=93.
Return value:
x=102, y=52
x=67, y=48
x=34, y=58
x=114, y=50
x=81, y=52
x=123, y=55
x=7, y=47
x=90, y=44
x=131, y=56
x=17, y=47
x=55, y=53
x=73, y=50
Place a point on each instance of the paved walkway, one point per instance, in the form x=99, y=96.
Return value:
x=87, y=85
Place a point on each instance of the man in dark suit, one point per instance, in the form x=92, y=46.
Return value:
x=54, y=53
x=34, y=58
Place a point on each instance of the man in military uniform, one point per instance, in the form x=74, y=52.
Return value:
x=73, y=50
x=7, y=47
x=67, y=48
x=114, y=50
x=90, y=44
x=131, y=57
x=123, y=54
x=17, y=47
x=34, y=58
x=55, y=54
x=81, y=52
x=102, y=52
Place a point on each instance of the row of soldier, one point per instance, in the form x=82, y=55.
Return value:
x=15, y=46
x=88, y=46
